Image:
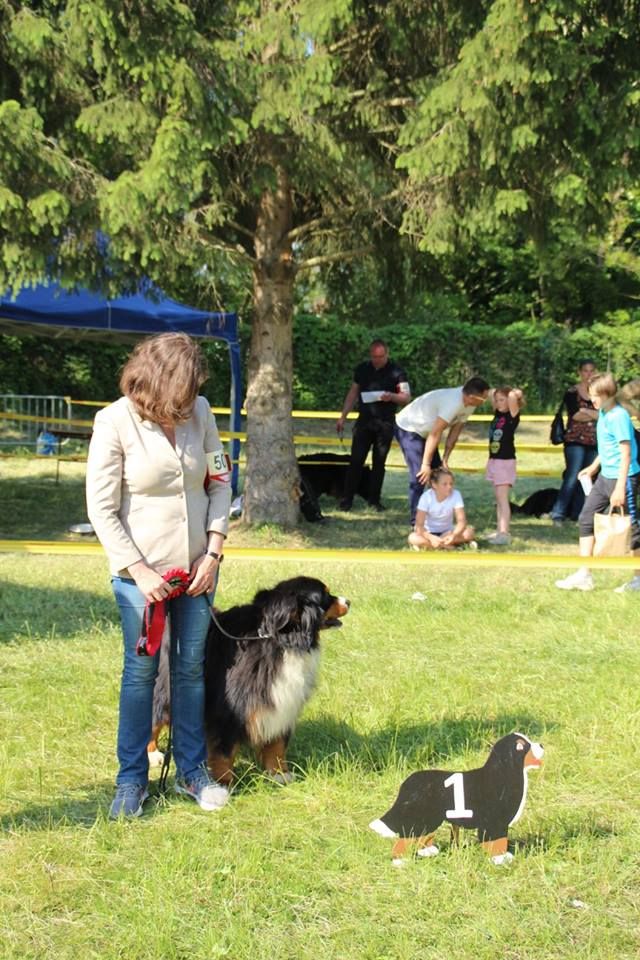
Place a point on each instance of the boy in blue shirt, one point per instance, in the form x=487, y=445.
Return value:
x=617, y=482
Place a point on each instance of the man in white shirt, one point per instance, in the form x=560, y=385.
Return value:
x=421, y=424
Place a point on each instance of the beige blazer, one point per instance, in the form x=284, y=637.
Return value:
x=147, y=501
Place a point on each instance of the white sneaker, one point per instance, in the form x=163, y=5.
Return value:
x=580, y=580
x=499, y=539
x=629, y=587
x=208, y=794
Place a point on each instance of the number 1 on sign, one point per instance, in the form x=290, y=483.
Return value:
x=459, y=810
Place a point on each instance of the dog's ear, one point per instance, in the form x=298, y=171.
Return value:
x=278, y=611
x=310, y=617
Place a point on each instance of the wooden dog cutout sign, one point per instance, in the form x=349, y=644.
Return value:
x=488, y=800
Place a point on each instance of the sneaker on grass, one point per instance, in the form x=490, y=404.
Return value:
x=580, y=580
x=128, y=800
x=629, y=587
x=499, y=539
x=208, y=794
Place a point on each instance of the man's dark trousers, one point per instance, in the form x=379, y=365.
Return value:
x=369, y=434
x=412, y=446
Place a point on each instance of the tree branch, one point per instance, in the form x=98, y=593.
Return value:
x=333, y=257
x=346, y=214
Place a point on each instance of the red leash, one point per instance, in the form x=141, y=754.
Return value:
x=155, y=614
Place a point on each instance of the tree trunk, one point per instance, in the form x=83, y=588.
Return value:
x=271, y=492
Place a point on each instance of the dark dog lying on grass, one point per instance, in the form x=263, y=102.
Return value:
x=539, y=503
x=324, y=473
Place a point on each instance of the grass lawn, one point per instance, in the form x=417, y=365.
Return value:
x=295, y=872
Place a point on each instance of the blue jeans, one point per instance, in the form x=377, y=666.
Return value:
x=412, y=446
x=570, y=498
x=189, y=619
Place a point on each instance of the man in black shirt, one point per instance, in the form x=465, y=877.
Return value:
x=380, y=386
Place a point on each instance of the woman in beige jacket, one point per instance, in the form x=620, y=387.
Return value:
x=158, y=496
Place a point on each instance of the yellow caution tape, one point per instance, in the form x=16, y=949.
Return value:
x=471, y=558
x=322, y=414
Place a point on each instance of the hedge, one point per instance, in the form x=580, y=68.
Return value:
x=436, y=352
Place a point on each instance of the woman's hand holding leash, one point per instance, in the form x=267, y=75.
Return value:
x=149, y=582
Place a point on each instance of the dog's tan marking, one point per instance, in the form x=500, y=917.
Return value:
x=495, y=847
x=336, y=610
x=221, y=766
x=152, y=746
x=273, y=757
x=401, y=846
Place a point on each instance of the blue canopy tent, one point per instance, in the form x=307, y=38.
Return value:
x=48, y=309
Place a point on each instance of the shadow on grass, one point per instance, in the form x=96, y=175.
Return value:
x=38, y=508
x=88, y=805
x=326, y=741
x=36, y=613
x=324, y=745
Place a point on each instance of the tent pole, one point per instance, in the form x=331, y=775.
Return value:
x=235, y=422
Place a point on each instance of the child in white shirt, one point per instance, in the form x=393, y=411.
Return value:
x=441, y=522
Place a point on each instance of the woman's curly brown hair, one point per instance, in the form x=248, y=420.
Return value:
x=163, y=376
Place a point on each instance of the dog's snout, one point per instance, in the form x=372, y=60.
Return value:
x=344, y=605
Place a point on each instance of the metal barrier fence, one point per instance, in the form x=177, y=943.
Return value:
x=32, y=415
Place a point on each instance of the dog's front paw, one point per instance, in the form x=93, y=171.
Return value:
x=501, y=859
x=430, y=851
x=399, y=862
x=281, y=776
x=156, y=758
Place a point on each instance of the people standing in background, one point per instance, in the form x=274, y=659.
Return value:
x=380, y=386
x=158, y=495
x=580, y=448
x=421, y=424
x=501, y=465
x=616, y=484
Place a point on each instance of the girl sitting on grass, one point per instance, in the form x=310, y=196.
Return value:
x=441, y=523
x=507, y=403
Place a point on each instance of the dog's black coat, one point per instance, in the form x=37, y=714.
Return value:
x=324, y=473
x=539, y=503
x=493, y=793
x=240, y=673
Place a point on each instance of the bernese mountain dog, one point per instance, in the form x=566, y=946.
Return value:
x=261, y=667
x=489, y=800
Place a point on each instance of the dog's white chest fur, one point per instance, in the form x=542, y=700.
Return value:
x=289, y=693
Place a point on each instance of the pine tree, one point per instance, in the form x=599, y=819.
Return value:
x=259, y=134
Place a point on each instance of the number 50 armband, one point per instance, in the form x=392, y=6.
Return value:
x=218, y=467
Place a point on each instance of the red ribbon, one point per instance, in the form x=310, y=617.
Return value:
x=155, y=614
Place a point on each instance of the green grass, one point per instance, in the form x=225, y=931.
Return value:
x=295, y=872
x=288, y=873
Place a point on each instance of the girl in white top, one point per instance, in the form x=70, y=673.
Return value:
x=441, y=522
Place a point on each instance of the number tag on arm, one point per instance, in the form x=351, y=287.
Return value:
x=218, y=467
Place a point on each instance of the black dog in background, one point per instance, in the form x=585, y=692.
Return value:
x=539, y=503
x=324, y=473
